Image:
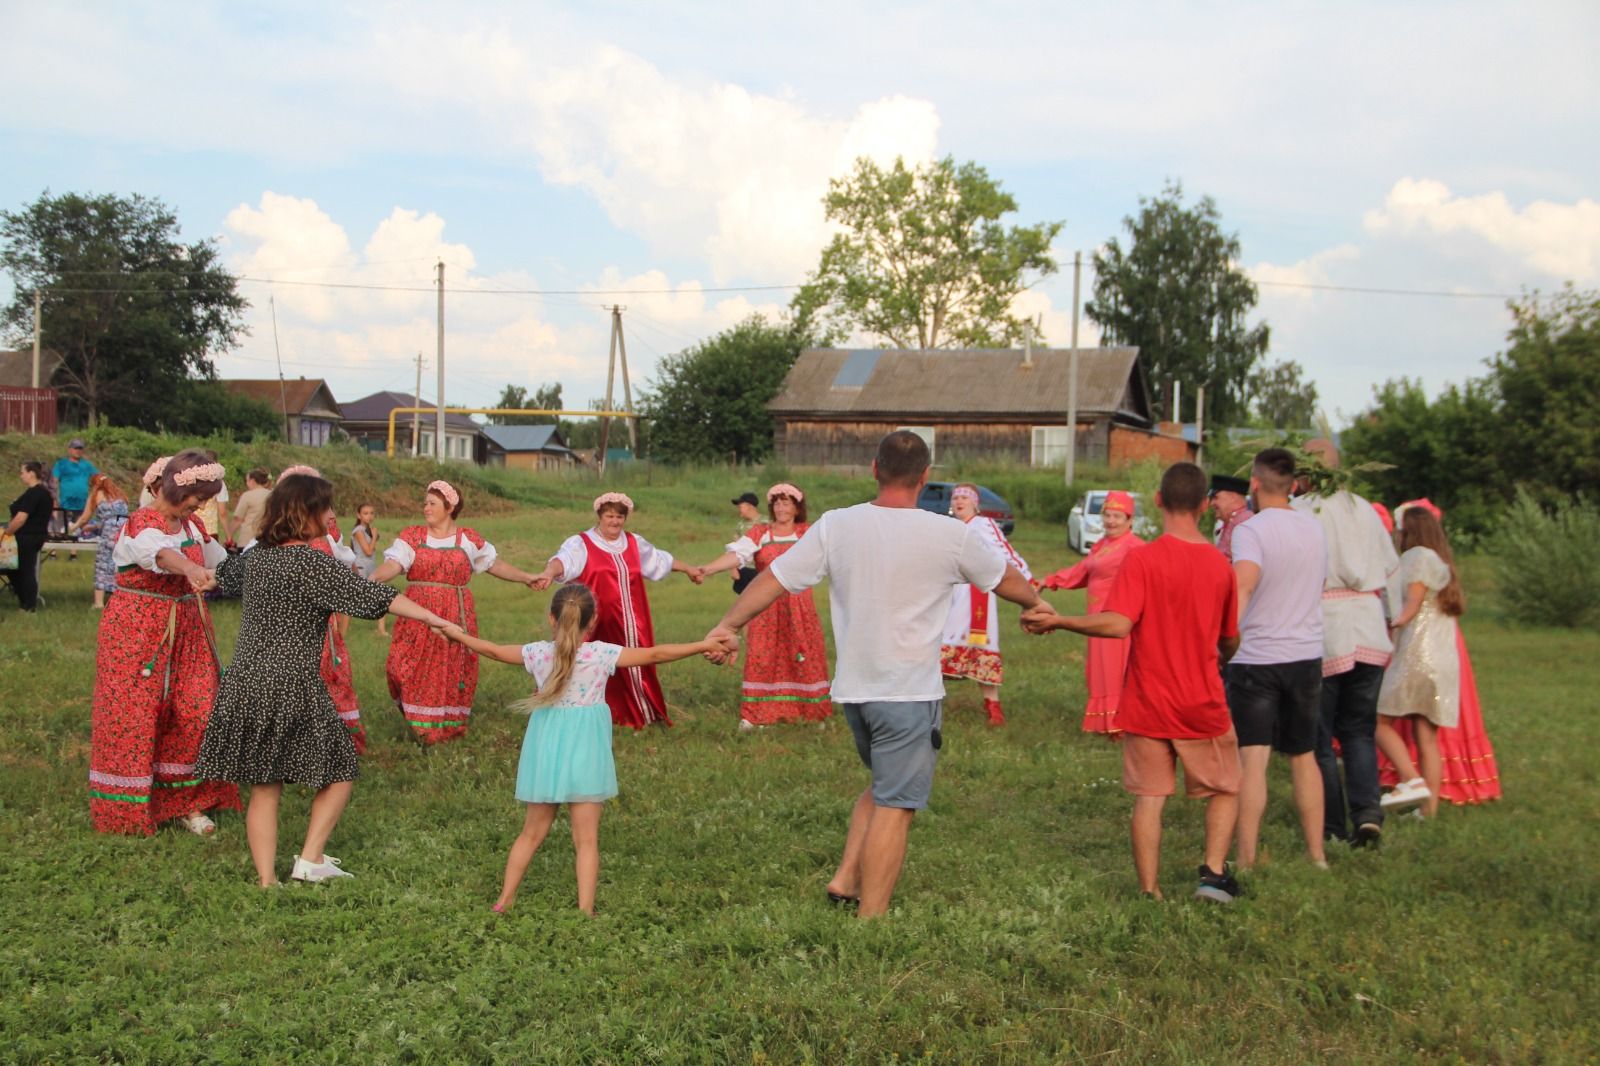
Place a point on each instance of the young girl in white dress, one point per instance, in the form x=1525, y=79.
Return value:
x=566, y=752
x=1423, y=682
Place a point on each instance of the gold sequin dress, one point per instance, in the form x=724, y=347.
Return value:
x=1424, y=677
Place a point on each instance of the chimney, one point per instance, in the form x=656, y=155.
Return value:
x=1027, y=345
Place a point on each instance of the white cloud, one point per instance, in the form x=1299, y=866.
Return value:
x=1559, y=240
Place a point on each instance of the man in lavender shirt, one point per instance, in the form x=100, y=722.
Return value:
x=1275, y=679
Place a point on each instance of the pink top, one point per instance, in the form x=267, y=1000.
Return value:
x=1097, y=571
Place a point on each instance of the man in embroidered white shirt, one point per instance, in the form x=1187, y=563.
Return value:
x=890, y=568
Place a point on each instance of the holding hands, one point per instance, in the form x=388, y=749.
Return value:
x=722, y=645
x=1040, y=619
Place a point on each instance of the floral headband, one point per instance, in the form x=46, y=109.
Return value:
x=156, y=469
x=783, y=488
x=446, y=492
x=299, y=468
x=613, y=497
x=962, y=492
x=203, y=472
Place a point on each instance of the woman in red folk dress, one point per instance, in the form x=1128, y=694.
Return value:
x=434, y=683
x=785, y=663
x=1107, y=659
x=971, y=646
x=614, y=564
x=156, y=668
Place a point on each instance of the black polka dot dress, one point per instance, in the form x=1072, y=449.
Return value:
x=273, y=719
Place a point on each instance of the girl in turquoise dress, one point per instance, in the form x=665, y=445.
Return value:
x=566, y=752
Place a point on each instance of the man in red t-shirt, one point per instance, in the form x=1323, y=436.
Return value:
x=1176, y=601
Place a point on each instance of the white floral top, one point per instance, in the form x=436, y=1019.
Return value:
x=597, y=661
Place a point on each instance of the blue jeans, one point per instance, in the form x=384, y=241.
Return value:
x=1350, y=715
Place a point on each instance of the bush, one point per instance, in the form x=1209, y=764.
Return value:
x=1545, y=560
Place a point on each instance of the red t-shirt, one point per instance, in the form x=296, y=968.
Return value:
x=1182, y=599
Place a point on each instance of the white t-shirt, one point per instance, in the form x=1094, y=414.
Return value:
x=595, y=663
x=890, y=571
x=1283, y=621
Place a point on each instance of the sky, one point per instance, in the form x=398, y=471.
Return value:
x=672, y=159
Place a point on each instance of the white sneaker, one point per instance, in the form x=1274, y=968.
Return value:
x=1405, y=794
x=312, y=872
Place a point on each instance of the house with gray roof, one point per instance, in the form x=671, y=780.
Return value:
x=989, y=405
x=528, y=447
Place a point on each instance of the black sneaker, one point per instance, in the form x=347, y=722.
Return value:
x=1368, y=835
x=1218, y=888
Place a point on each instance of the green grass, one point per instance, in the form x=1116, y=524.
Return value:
x=1017, y=935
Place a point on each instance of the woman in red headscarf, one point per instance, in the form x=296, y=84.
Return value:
x=1107, y=660
x=434, y=683
x=785, y=662
x=1469, y=773
x=971, y=644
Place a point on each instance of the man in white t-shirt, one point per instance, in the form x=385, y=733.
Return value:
x=890, y=568
x=1275, y=678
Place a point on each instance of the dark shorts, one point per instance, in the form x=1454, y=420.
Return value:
x=1277, y=704
x=897, y=742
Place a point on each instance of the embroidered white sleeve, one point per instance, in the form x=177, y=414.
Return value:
x=400, y=552
x=141, y=550
x=654, y=563
x=574, y=556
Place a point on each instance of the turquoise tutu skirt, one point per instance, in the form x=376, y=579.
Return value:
x=566, y=756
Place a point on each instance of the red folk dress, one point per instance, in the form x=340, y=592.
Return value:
x=615, y=574
x=1106, y=660
x=786, y=661
x=970, y=647
x=433, y=681
x=335, y=668
x=156, y=673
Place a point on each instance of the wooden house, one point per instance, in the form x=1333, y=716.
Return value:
x=993, y=405
x=528, y=447
x=313, y=412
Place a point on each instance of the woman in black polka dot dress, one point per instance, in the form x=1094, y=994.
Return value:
x=273, y=721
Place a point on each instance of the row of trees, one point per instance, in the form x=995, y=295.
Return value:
x=133, y=311
x=1533, y=420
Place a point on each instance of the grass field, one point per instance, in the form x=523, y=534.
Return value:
x=1017, y=934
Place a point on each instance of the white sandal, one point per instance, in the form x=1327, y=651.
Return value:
x=198, y=824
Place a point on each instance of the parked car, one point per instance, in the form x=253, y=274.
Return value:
x=936, y=497
x=1084, y=528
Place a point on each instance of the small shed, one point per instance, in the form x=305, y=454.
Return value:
x=23, y=408
x=987, y=405
x=313, y=412
x=528, y=447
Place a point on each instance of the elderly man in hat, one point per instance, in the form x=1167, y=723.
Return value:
x=71, y=475
x=1230, y=499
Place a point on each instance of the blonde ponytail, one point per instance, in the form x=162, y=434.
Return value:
x=572, y=608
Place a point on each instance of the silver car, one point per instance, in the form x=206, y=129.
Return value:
x=1084, y=526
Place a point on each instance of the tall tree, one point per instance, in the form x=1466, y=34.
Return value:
x=134, y=313
x=922, y=259
x=709, y=404
x=1176, y=294
x=1281, y=398
x=545, y=398
x=1548, y=382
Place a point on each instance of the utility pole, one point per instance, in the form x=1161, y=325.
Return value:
x=416, y=417
x=438, y=435
x=1072, y=376
x=627, y=388
x=611, y=377
x=283, y=390
x=38, y=300
x=1200, y=425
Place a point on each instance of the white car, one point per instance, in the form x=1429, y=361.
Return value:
x=1084, y=528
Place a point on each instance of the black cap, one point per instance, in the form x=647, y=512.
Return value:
x=1223, y=483
x=749, y=498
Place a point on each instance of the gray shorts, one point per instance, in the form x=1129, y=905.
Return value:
x=897, y=742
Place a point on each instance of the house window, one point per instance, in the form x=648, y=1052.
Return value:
x=1050, y=444
x=926, y=433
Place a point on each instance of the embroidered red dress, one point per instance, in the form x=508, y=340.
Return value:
x=335, y=667
x=1106, y=660
x=615, y=572
x=971, y=644
x=156, y=675
x=432, y=681
x=785, y=660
